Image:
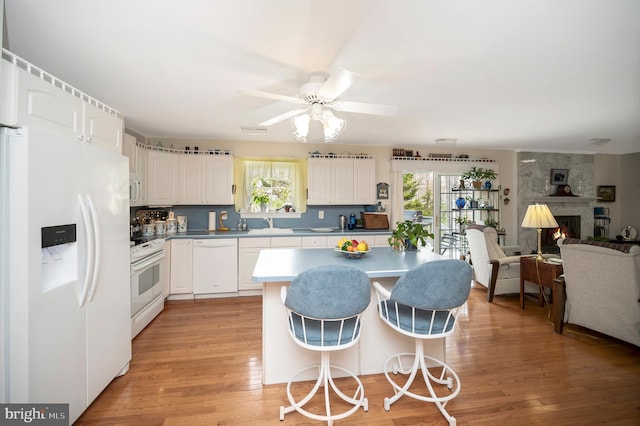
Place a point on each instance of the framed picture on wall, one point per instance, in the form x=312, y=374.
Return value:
x=559, y=176
x=606, y=193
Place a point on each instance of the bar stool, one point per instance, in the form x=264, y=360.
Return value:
x=324, y=307
x=422, y=305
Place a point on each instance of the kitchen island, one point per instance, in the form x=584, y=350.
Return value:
x=281, y=357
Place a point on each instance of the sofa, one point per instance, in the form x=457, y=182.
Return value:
x=602, y=287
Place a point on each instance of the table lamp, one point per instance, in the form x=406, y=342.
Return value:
x=539, y=216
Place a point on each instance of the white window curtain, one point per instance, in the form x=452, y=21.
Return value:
x=249, y=169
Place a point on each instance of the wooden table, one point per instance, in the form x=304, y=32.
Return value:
x=545, y=274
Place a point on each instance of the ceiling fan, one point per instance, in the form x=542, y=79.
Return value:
x=316, y=98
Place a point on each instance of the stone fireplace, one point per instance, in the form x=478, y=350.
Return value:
x=576, y=213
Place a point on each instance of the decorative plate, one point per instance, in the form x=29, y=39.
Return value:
x=351, y=254
x=629, y=233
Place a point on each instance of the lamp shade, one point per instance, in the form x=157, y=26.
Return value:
x=539, y=216
x=300, y=124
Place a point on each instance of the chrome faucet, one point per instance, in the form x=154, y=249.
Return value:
x=269, y=221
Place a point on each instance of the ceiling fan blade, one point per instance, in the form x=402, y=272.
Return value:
x=365, y=108
x=268, y=95
x=337, y=84
x=282, y=117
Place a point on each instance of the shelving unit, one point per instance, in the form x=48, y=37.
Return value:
x=601, y=221
x=452, y=233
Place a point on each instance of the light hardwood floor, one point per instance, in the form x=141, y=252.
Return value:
x=199, y=363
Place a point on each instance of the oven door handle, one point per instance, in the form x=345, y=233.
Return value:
x=148, y=261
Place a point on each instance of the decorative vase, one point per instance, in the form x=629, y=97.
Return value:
x=460, y=202
x=487, y=185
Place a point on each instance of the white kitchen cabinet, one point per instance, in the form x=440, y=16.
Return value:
x=215, y=267
x=319, y=241
x=181, y=266
x=102, y=128
x=137, y=169
x=162, y=174
x=47, y=105
x=219, y=179
x=319, y=178
x=192, y=179
x=364, y=181
x=341, y=181
x=248, y=251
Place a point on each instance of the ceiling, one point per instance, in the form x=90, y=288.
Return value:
x=534, y=75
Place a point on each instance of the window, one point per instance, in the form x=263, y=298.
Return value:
x=271, y=185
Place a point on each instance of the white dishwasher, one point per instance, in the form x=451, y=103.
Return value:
x=215, y=266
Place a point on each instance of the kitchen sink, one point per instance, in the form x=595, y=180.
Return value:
x=270, y=231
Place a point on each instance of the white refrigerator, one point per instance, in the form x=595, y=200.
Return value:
x=66, y=325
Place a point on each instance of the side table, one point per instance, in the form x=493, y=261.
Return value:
x=545, y=274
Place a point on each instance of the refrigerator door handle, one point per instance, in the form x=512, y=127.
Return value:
x=95, y=224
x=88, y=272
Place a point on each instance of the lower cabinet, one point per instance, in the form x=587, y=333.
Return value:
x=248, y=252
x=181, y=266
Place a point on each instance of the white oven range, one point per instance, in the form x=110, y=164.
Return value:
x=147, y=283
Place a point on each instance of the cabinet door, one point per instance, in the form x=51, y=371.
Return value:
x=42, y=104
x=181, y=267
x=102, y=129
x=364, y=181
x=161, y=176
x=247, y=259
x=190, y=185
x=130, y=150
x=342, y=182
x=319, y=181
x=219, y=181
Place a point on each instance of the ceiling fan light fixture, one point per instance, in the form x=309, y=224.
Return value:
x=300, y=125
x=332, y=126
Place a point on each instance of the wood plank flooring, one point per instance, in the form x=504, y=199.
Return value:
x=199, y=363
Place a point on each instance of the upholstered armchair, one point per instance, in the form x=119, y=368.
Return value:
x=492, y=268
x=602, y=287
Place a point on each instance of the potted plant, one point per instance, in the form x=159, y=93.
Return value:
x=475, y=175
x=463, y=221
x=410, y=234
x=488, y=175
x=262, y=201
x=492, y=223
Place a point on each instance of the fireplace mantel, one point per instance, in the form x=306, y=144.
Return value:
x=560, y=199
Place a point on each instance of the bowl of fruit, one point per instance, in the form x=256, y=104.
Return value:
x=352, y=249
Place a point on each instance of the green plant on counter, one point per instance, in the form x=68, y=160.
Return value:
x=259, y=199
x=412, y=234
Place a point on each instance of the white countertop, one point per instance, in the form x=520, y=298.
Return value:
x=279, y=265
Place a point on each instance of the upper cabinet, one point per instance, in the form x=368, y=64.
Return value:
x=137, y=170
x=189, y=179
x=49, y=103
x=341, y=181
x=220, y=187
x=162, y=173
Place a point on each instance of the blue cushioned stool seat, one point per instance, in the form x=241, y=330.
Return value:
x=422, y=305
x=324, y=307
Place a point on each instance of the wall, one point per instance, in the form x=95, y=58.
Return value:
x=623, y=171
